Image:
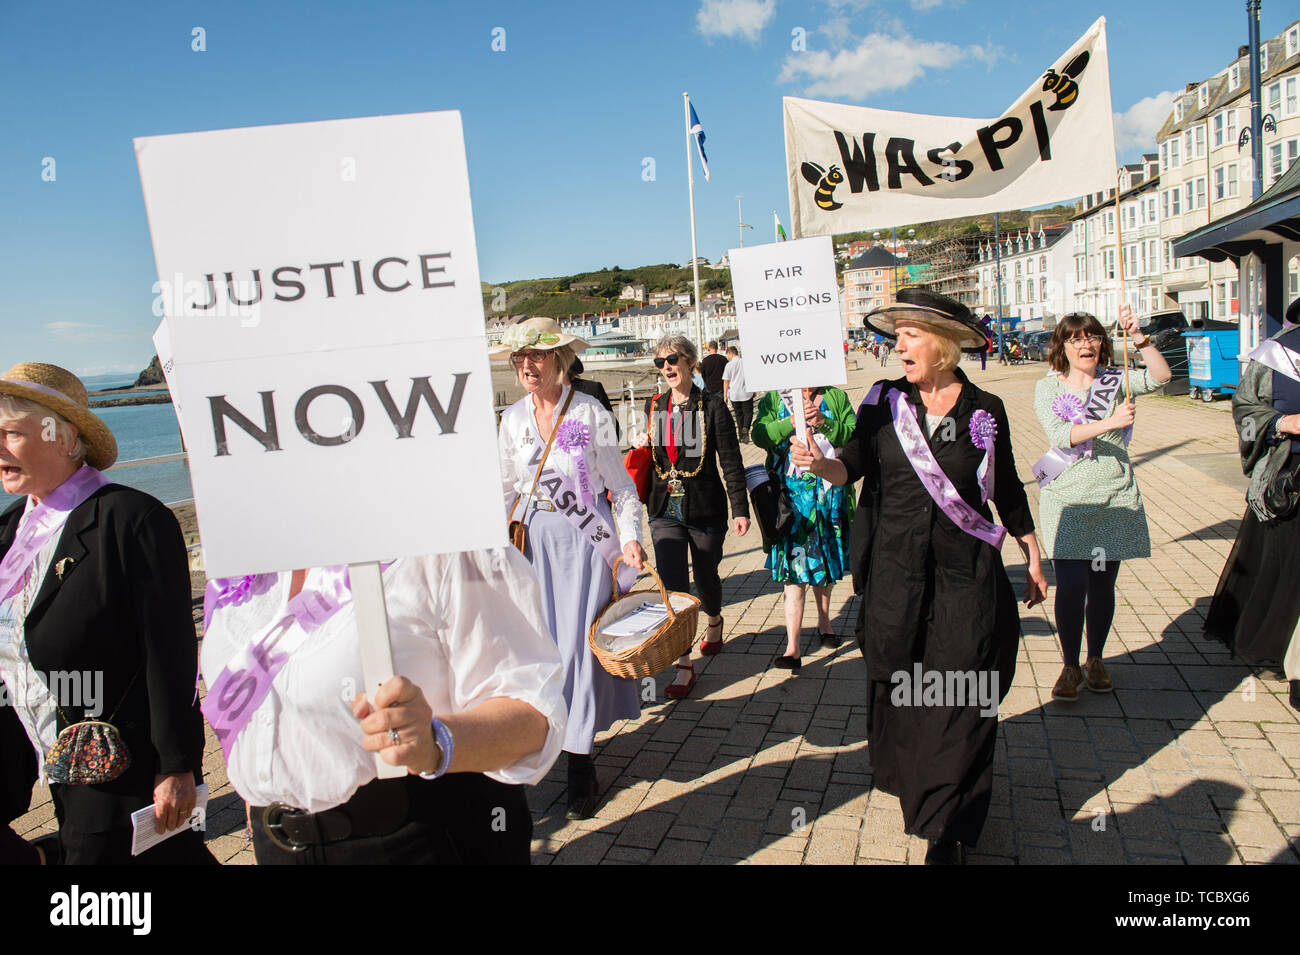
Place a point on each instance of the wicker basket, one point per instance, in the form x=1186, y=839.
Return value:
x=659, y=649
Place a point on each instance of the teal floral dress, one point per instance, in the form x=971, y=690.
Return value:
x=816, y=550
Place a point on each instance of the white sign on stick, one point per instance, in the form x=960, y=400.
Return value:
x=788, y=314
x=321, y=288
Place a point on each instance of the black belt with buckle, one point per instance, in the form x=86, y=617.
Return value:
x=378, y=808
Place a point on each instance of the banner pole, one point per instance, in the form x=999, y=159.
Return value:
x=690, y=184
x=1119, y=242
x=366, y=581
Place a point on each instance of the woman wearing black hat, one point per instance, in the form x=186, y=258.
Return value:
x=939, y=626
x=1256, y=606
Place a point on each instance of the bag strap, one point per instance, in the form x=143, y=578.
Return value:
x=542, y=463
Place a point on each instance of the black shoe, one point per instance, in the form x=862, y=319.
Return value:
x=788, y=663
x=830, y=641
x=945, y=853
x=584, y=794
x=1295, y=694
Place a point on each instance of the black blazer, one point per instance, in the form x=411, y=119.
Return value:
x=122, y=607
x=706, y=498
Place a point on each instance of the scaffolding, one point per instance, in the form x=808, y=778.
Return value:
x=948, y=266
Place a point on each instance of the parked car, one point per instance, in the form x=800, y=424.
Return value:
x=1039, y=344
x=1166, y=329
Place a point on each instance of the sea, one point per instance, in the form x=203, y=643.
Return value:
x=142, y=432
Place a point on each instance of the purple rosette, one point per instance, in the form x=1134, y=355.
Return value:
x=984, y=435
x=1069, y=408
x=233, y=591
x=573, y=437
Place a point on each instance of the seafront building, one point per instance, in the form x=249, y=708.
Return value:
x=1205, y=166
x=1037, y=276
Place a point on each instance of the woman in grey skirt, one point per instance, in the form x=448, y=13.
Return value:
x=559, y=456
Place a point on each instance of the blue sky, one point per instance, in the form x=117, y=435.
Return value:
x=558, y=125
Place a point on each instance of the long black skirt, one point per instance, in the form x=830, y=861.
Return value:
x=1257, y=602
x=938, y=760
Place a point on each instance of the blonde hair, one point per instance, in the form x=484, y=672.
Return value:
x=22, y=409
x=945, y=342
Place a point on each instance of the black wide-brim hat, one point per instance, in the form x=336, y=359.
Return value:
x=924, y=307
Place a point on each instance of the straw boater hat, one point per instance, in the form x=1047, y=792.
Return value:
x=930, y=308
x=539, y=334
x=63, y=393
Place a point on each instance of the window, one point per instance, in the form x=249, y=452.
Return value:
x=1164, y=202
x=1151, y=209
x=1220, y=190
x=1174, y=197
x=1178, y=112
x=1263, y=58
x=1175, y=157
x=1293, y=41
x=1042, y=288
x=1017, y=268
x=1291, y=105
x=1199, y=140
x=1273, y=100
x=1200, y=193
x=1202, y=95
x=1110, y=263
x=1110, y=222
x=1218, y=127
x=1042, y=263
x=1164, y=156
x=1232, y=126
x=1169, y=256
x=1029, y=266
x=1234, y=76
x=1274, y=165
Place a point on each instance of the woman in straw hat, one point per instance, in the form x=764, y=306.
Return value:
x=939, y=625
x=559, y=456
x=94, y=580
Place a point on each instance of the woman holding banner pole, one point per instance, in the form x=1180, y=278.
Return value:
x=475, y=713
x=1090, y=508
x=934, y=452
x=559, y=456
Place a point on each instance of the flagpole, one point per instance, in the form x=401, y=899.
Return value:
x=690, y=184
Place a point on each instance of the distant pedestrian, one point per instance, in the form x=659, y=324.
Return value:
x=1090, y=509
x=735, y=391
x=711, y=369
x=884, y=354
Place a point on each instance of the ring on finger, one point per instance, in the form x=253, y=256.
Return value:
x=394, y=737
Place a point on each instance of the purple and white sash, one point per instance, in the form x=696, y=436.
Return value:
x=244, y=682
x=1070, y=409
x=564, y=498
x=42, y=522
x=1273, y=354
x=936, y=483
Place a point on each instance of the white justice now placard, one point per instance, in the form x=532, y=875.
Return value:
x=788, y=314
x=325, y=327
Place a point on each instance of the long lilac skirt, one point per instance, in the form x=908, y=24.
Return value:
x=576, y=586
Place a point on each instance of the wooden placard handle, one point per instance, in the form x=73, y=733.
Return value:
x=376, y=650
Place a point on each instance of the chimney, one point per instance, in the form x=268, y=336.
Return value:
x=1190, y=87
x=1243, y=51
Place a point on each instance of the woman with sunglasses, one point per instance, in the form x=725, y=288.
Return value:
x=1090, y=508
x=559, y=455
x=692, y=436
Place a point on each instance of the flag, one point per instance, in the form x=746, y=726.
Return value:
x=851, y=168
x=698, y=132
x=780, y=230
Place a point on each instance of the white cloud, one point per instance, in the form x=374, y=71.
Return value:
x=734, y=18
x=1136, y=127
x=82, y=332
x=926, y=4
x=877, y=63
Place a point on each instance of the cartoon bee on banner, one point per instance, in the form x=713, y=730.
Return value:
x=825, y=183
x=1063, y=84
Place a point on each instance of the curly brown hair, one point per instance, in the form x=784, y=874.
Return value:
x=1067, y=327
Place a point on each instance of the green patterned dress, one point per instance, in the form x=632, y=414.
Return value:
x=816, y=551
x=1094, y=508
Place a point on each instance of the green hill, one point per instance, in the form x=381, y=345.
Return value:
x=556, y=298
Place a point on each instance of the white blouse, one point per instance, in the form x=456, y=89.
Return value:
x=519, y=438
x=465, y=628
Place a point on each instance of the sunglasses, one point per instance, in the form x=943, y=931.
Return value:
x=671, y=359
x=535, y=357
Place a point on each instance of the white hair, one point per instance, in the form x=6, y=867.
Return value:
x=23, y=409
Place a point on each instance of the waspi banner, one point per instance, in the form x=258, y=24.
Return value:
x=851, y=168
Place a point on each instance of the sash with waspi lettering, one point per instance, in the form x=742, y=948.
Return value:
x=557, y=492
x=936, y=483
x=1068, y=408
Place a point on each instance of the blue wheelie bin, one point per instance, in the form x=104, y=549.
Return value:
x=1212, y=367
